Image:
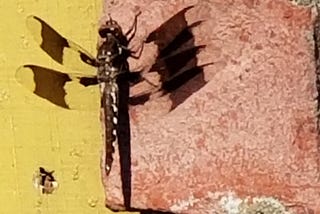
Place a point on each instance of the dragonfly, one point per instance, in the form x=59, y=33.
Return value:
x=111, y=73
x=110, y=70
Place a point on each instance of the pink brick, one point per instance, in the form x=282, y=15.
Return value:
x=248, y=131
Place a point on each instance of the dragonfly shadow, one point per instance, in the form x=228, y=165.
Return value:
x=172, y=62
x=176, y=65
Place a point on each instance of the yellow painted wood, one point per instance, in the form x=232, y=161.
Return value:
x=35, y=132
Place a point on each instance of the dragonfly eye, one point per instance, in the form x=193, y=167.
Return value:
x=109, y=30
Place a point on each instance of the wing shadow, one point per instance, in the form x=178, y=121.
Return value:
x=177, y=63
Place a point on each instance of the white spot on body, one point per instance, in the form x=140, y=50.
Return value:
x=115, y=120
x=114, y=143
x=114, y=87
x=113, y=96
x=114, y=108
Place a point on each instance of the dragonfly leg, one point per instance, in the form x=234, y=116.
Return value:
x=136, y=77
x=133, y=28
x=133, y=53
x=139, y=52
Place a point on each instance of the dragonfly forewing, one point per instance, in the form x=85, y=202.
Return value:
x=60, y=49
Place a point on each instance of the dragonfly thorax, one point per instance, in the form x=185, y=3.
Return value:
x=107, y=73
x=109, y=50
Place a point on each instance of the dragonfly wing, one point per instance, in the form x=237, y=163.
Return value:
x=60, y=49
x=70, y=91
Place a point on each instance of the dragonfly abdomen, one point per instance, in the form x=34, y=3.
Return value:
x=109, y=117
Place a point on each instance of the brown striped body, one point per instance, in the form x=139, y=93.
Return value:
x=112, y=62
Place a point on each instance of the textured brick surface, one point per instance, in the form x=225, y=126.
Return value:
x=243, y=128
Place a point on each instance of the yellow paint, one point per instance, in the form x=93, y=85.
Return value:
x=35, y=132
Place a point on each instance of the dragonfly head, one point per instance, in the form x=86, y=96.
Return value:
x=111, y=27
